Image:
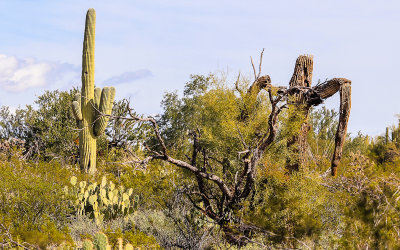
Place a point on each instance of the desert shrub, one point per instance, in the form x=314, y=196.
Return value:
x=178, y=225
x=32, y=204
x=299, y=208
x=372, y=216
x=83, y=227
x=133, y=236
x=386, y=147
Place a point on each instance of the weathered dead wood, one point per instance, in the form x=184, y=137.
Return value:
x=344, y=113
x=303, y=96
x=263, y=82
x=302, y=77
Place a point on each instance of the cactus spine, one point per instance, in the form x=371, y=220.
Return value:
x=92, y=103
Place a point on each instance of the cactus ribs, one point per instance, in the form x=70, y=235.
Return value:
x=93, y=106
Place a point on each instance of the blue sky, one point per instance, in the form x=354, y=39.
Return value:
x=146, y=48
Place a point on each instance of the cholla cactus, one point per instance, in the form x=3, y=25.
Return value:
x=92, y=104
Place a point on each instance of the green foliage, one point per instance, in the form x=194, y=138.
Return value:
x=371, y=218
x=124, y=133
x=211, y=109
x=321, y=138
x=386, y=148
x=11, y=123
x=180, y=226
x=299, y=207
x=32, y=204
x=132, y=237
x=46, y=130
x=43, y=203
x=103, y=201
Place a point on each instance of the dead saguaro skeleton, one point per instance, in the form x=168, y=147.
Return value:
x=301, y=94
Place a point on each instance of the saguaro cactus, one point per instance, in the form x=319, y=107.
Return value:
x=307, y=96
x=91, y=106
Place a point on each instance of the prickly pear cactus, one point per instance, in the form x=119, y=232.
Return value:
x=92, y=104
x=102, y=201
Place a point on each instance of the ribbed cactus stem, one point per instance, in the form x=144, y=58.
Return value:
x=100, y=241
x=87, y=245
x=87, y=142
x=76, y=109
x=92, y=104
x=105, y=108
x=387, y=136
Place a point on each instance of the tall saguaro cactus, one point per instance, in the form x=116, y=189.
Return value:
x=91, y=106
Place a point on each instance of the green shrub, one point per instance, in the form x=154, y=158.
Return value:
x=32, y=204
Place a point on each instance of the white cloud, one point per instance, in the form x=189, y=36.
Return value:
x=129, y=76
x=20, y=74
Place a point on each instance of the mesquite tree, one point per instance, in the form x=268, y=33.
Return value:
x=92, y=105
x=220, y=135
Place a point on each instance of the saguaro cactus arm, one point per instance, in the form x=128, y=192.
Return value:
x=105, y=108
x=344, y=114
x=76, y=110
x=97, y=94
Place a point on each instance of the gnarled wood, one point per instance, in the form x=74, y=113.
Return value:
x=344, y=113
x=304, y=96
x=261, y=83
x=302, y=77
